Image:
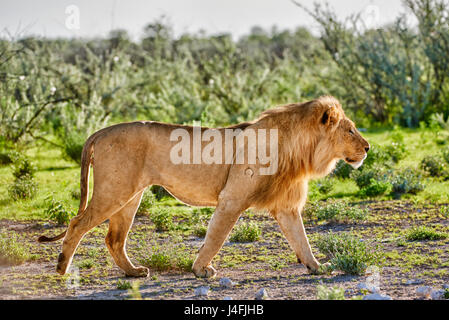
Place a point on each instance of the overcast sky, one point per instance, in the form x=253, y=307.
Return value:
x=59, y=18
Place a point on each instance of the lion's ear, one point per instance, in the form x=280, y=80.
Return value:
x=330, y=117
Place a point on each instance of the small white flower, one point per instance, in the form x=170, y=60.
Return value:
x=211, y=82
x=21, y=78
x=116, y=58
x=52, y=90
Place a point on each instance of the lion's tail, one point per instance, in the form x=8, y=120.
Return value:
x=86, y=160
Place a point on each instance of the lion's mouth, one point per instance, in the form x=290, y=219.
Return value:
x=350, y=160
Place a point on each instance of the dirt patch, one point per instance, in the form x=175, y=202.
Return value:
x=268, y=263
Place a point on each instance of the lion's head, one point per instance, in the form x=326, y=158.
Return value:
x=344, y=140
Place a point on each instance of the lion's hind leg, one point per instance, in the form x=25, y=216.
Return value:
x=96, y=212
x=119, y=226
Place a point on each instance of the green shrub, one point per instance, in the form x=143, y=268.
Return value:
x=5, y=158
x=342, y=170
x=11, y=251
x=246, y=232
x=22, y=167
x=324, y=185
x=406, y=181
x=23, y=188
x=375, y=188
x=123, y=285
x=200, y=230
x=445, y=154
x=162, y=219
x=330, y=293
x=86, y=264
x=424, y=233
x=160, y=192
x=377, y=156
x=337, y=211
x=57, y=211
x=147, y=202
x=434, y=166
x=201, y=215
x=363, y=177
x=75, y=194
x=169, y=258
x=348, y=253
x=73, y=143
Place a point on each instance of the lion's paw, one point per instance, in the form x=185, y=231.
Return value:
x=322, y=269
x=139, y=272
x=205, y=272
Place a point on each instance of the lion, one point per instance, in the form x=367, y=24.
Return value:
x=127, y=158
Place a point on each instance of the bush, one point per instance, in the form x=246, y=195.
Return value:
x=375, y=188
x=123, y=285
x=445, y=154
x=56, y=211
x=162, y=219
x=376, y=156
x=424, y=233
x=406, y=181
x=330, y=293
x=338, y=211
x=147, y=202
x=11, y=251
x=22, y=166
x=160, y=192
x=5, y=158
x=342, y=170
x=348, y=253
x=73, y=146
x=434, y=166
x=169, y=258
x=324, y=185
x=246, y=232
x=200, y=231
x=23, y=188
x=364, y=177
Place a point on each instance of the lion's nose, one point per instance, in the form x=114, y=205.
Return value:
x=367, y=148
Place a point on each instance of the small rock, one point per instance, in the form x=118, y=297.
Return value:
x=437, y=294
x=414, y=281
x=227, y=298
x=376, y=296
x=226, y=282
x=367, y=286
x=262, y=294
x=202, y=291
x=424, y=292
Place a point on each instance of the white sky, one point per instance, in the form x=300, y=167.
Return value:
x=97, y=17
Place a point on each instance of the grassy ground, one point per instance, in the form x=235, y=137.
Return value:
x=267, y=262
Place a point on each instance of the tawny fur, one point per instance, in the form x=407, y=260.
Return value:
x=128, y=157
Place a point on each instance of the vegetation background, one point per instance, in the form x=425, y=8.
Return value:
x=393, y=81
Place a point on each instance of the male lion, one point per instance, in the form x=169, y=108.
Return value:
x=128, y=157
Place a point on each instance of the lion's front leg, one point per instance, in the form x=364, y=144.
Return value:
x=225, y=216
x=292, y=226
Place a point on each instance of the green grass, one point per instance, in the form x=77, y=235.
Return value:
x=424, y=233
x=330, y=293
x=169, y=258
x=245, y=232
x=12, y=252
x=348, y=253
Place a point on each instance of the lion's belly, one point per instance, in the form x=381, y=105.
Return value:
x=194, y=185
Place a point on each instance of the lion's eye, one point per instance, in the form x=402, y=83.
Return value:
x=351, y=131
